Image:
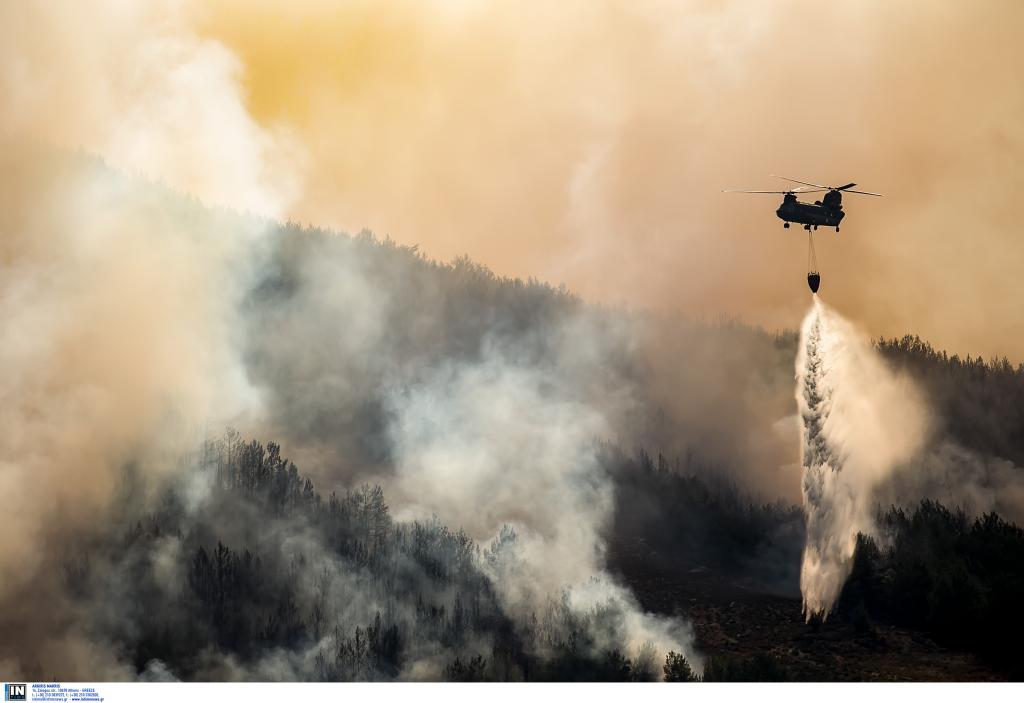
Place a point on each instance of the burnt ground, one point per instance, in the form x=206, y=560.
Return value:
x=736, y=621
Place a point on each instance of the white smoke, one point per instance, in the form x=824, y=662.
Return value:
x=960, y=478
x=860, y=421
x=501, y=443
x=118, y=307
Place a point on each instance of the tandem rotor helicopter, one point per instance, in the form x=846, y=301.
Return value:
x=827, y=212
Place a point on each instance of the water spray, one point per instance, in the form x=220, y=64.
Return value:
x=859, y=421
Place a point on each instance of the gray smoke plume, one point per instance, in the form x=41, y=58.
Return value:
x=130, y=320
x=118, y=305
x=501, y=442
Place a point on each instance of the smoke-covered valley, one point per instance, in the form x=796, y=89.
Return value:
x=484, y=402
x=236, y=447
x=472, y=494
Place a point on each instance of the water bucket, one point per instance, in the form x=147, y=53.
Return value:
x=813, y=281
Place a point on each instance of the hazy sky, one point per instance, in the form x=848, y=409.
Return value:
x=588, y=143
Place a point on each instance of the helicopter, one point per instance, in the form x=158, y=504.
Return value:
x=827, y=212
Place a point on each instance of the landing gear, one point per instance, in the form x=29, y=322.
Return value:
x=807, y=227
x=785, y=225
x=837, y=228
x=815, y=227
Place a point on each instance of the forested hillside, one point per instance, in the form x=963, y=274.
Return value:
x=338, y=325
x=958, y=578
x=499, y=481
x=265, y=578
x=978, y=402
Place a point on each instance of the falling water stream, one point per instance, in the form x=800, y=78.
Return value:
x=859, y=421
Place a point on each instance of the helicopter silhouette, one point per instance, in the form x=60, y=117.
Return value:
x=827, y=212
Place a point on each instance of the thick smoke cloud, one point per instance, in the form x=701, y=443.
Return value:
x=132, y=327
x=588, y=143
x=135, y=83
x=490, y=414
x=137, y=322
x=495, y=444
x=117, y=307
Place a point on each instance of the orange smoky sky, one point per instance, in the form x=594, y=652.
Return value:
x=588, y=143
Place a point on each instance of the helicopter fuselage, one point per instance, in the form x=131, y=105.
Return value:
x=824, y=214
x=827, y=212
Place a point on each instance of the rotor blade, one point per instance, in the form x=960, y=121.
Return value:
x=781, y=192
x=848, y=185
x=864, y=192
x=816, y=185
